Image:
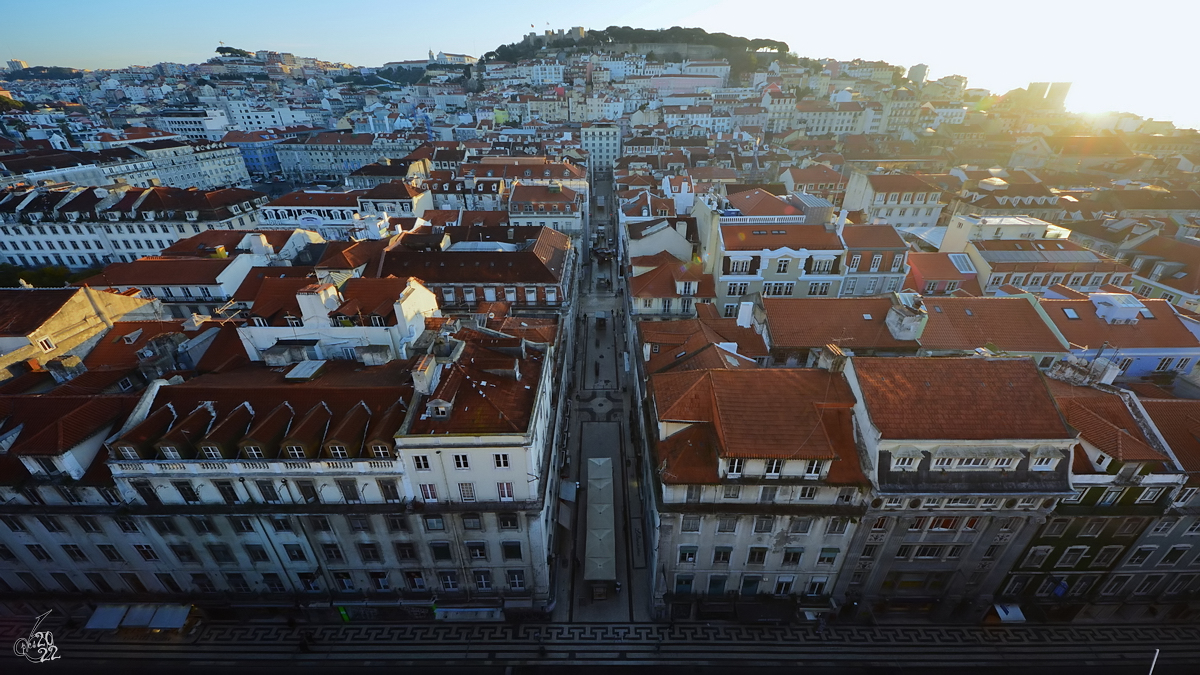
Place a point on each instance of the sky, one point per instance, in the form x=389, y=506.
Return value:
x=1118, y=55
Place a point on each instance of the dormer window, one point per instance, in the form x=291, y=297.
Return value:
x=253, y=452
x=127, y=452
x=211, y=452
x=169, y=452
x=148, y=215
x=903, y=463
x=295, y=451
x=293, y=321
x=813, y=468
x=338, y=452
x=974, y=462
x=381, y=451
x=192, y=215
x=113, y=216
x=441, y=412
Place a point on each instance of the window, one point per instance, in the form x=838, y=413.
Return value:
x=773, y=468
x=767, y=494
x=46, y=344
x=828, y=556
x=87, y=524
x=1110, y=497
x=462, y=462
x=734, y=467
x=511, y=550
x=73, y=552
x=757, y=555
x=369, y=552
x=1163, y=526
x=687, y=554
x=1129, y=527
x=837, y=526
x=929, y=551
x=507, y=521
x=294, y=552
x=267, y=489
x=1174, y=555
x=274, y=583
x=282, y=524
x=146, y=551
x=1140, y=556
x=732, y=491
x=819, y=288
x=421, y=462
x=110, y=552
x=221, y=553
x=500, y=460
x=466, y=491
x=1036, y=557
x=516, y=580
x=691, y=523
x=428, y=492
x=726, y=524
x=332, y=552
x=226, y=490
x=349, y=489
x=764, y=524
x=1147, y=584
x=1071, y=556
x=944, y=523
x=405, y=551
x=782, y=266
x=388, y=490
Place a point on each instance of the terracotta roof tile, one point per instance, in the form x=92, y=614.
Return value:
x=1165, y=330
x=958, y=398
x=856, y=324
x=756, y=413
x=1012, y=324
x=1178, y=420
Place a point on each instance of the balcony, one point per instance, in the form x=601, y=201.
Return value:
x=281, y=466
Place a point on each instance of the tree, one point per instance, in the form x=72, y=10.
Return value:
x=234, y=51
x=8, y=104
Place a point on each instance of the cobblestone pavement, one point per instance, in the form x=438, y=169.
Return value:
x=435, y=645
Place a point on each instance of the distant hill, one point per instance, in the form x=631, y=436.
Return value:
x=741, y=52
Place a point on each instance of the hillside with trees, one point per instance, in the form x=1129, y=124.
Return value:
x=45, y=73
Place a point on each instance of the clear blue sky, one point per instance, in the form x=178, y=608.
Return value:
x=1135, y=57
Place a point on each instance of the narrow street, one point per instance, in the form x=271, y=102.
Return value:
x=599, y=429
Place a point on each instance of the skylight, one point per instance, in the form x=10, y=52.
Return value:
x=1146, y=313
x=867, y=317
x=1071, y=313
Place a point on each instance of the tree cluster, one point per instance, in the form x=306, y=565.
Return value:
x=45, y=73
x=234, y=51
x=44, y=277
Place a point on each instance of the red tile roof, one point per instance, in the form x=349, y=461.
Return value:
x=1165, y=330
x=1012, y=324
x=958, y=399
x=762, y=413
x=856, y=324
x=872, y=237
x=23, y=311
x=160, y=272
x=765, y=237
x=1178, y=420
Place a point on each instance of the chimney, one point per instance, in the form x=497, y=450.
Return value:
x=681, y=228
x=257, y=243
x=316, y=302
x=907, y=316
x=832, y=358
x=745, y=315
x=193, y=322
x=425, y=374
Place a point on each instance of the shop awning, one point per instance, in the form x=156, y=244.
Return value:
x=170, y=616
x=106, y=617
x=138, y=616
x=1010, y=613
